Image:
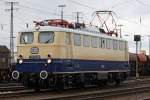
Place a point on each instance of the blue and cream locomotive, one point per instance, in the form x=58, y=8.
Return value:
x=69, y=56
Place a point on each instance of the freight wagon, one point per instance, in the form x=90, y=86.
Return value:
x=4, y=63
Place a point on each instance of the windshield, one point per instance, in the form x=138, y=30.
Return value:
x=46, y=37
x=26, y=38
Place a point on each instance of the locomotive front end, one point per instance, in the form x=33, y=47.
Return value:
x=34, y=56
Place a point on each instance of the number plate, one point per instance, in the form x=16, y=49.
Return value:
x=34, y=50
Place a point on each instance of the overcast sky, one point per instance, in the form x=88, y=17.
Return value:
x=128, y=13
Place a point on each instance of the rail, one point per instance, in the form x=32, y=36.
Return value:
x=128, y=87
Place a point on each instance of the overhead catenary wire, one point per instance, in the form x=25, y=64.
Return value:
x=142, y=3
x=46, y=12
x=39, y=5
x=38, y=9
x=83, y=5
x=56, y=14
x=75, y=2
x=122, y=3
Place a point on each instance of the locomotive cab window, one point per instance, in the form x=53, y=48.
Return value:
x=46, y=37
x=26, y=38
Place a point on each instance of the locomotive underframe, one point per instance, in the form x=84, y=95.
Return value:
x=69, y=73
x=66, y=80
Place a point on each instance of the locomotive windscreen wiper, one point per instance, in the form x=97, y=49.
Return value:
x=24, y=41
x=47, y=41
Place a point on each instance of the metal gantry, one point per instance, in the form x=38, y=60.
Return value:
x=62, y=6
x=11, y=29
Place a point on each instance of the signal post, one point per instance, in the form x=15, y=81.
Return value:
x=137, y=38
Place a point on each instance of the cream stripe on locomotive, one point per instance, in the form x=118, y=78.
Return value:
x=59, y=48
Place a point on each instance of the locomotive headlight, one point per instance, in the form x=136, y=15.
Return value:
x=49, y=60
x=20, y=61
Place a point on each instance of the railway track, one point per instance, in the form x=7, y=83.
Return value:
x=9, y=84
x=97, y=95
x=129, y=87
x=11, y=88
x=148, y=98
x=5, y=87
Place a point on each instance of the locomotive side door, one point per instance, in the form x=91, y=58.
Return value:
x=69, y=45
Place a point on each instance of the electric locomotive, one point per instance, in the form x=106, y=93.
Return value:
x=59, y=54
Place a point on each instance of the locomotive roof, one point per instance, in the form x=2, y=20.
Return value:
x=79, y=31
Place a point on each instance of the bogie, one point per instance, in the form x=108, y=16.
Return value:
x=66, y=81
